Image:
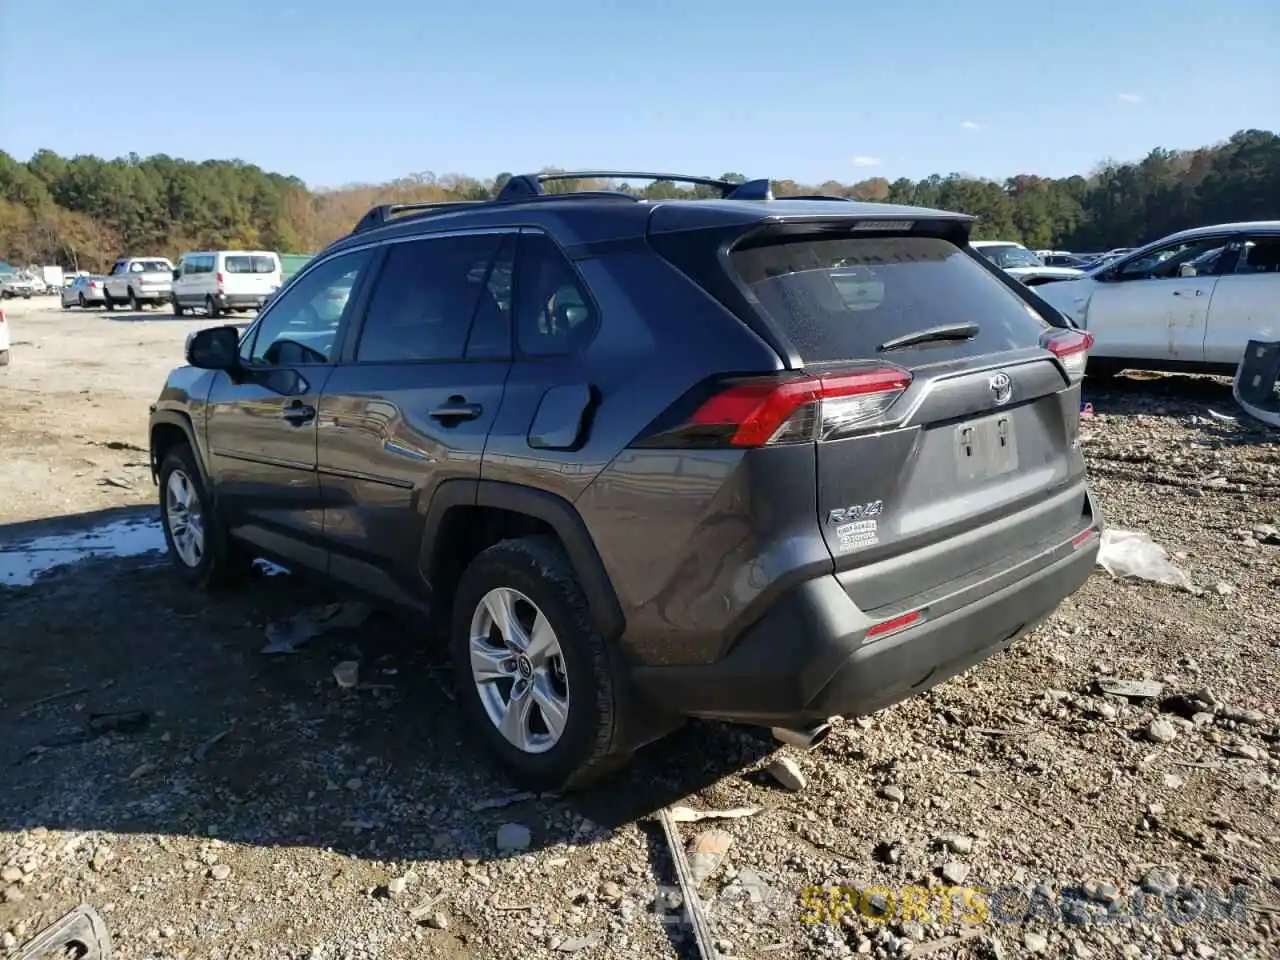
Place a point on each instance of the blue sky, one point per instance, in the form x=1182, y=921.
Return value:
x=367, y=91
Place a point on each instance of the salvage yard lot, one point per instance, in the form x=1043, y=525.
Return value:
x=252, y=808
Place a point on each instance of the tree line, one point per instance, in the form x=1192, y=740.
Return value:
x=84, y=211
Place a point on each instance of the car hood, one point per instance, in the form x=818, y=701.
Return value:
x=1066, y=272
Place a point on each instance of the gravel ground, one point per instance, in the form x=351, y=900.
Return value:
x=212, y=801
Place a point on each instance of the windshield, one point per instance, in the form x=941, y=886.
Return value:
x=247, y=263
x=1008, y=255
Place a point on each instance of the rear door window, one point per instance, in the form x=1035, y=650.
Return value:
x=840, y=299
x=426, y=297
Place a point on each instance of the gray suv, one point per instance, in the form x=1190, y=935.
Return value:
x=760, y=460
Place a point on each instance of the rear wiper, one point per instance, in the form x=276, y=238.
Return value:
x=950, y=331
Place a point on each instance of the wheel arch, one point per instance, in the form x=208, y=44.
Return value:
x=171, y=428
x=514, y=510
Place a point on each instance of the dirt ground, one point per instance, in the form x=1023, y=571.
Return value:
x=210, y=800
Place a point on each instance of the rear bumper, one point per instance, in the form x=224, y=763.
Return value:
x=235, y=301
x=809, y=659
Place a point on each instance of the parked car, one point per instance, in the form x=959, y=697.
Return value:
x=767, y=461
x=4, y=341
x=1190, y=301
x=224, y=281
x=138, y=281
x=84, y=290
x=1017, y=261
x=1062, y=258
x=19, y=285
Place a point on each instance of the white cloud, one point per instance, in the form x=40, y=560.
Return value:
x=1129, y=97
x=970, y=125
x=865, y=161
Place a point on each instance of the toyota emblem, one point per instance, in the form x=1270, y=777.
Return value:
x=1001, y=388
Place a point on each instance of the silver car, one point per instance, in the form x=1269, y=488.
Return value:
x=83, y=291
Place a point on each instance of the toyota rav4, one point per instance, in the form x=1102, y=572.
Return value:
x=761, y=460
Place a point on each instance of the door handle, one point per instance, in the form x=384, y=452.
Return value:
x=299, y=413
x=1188, y=293
x=456, y=409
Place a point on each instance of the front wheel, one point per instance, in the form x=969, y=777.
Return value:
x=534, y=677
x=177, y=307
x=198, y=544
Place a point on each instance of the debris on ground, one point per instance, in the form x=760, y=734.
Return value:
x=1131, y=553
x=347, y=674
x=80, y=934
x=682, y=814
x=707, y=851
x=286, y=636
x=687, y=876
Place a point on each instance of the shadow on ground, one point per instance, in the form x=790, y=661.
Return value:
x=132, y=703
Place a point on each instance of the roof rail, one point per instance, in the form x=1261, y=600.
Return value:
x=379, y=215
x=815, y=196
x=528, y=185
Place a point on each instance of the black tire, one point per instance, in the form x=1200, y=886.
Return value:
x=211, y=308
x=65, y=305
x=177, y=307
x=222, y=561
x=4, y=358
x=107, y=302
x=134, y=305
x=587, y=749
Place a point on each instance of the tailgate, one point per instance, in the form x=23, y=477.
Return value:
x=966, y=464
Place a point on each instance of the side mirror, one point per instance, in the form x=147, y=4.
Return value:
x=217, y=348
x=177, y=274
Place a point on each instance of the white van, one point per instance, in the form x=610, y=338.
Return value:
x=220, y=281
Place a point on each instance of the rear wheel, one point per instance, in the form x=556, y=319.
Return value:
x=199, y=546
x=534, y=677
x=134, y=305
x=211, y=308
x=107, y=301
x=177, y=307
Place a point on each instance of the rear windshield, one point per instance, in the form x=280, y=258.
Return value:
x=151, y=266
x=841, y=299
x=245, y=263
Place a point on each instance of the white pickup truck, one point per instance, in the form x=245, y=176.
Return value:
x=138, y=281
x=1189, y=302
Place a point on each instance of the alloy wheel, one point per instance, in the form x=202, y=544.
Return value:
x=518, y=669
x=184, y=518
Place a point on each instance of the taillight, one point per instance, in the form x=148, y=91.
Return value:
x=93, y=284
x=1071, y=347
x=769, y=411
x=217, y=278
x=1, y=316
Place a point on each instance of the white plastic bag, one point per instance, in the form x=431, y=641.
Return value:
x=1129, y=553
